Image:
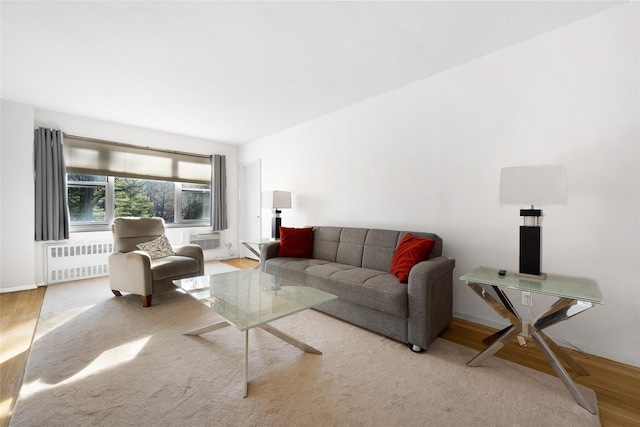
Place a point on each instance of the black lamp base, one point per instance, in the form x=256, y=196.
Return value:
x=530, y=244
x=276, y=222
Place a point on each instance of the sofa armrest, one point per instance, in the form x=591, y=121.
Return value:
x=130, y=272
x=192, y=251
x=430, y=296
x=268, y=251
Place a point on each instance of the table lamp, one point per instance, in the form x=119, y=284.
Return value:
x=532, y=185
x=276, y=200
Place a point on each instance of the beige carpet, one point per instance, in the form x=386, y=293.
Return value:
x=98, y=360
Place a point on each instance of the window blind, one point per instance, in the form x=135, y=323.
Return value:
x=97, y=157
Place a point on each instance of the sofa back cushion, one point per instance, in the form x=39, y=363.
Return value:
x=325, y=242
x=380, y=247
x=363, y=247
x=351, y=246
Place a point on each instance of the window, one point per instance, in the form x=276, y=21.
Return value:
x=87, y=197
x=107, y=180
x=95, y=200
x=195, y=202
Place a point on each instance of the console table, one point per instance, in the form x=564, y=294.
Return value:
x=575, y=295
x=258, y=243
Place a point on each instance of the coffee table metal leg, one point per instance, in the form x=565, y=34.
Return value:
x=288, y=338
x=246, y=362
x=209, y=328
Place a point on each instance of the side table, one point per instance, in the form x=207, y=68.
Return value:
x=255, y=246
x=575, y=295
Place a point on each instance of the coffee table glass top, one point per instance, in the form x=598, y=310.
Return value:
x=250, y=298
x=561, y=286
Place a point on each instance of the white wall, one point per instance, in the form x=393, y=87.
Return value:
x=17, y=196
x=427, y=157
x=19, y=251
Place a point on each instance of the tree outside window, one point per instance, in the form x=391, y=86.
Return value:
x=86, y=194
x=95, y=200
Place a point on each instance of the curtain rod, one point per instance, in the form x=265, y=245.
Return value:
x=122, y=144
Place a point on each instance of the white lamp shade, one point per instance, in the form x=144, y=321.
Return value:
x=276, y=199
x=533, y=185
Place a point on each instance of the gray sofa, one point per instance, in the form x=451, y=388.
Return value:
x=354, y=263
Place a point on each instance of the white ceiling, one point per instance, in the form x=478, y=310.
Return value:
x=236, y=71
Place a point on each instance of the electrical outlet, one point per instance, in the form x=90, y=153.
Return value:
x=526, y=298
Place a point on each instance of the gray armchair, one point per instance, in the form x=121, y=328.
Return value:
x=135, y=271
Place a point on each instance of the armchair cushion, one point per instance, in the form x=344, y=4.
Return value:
x=157, y=248
x=173, y=267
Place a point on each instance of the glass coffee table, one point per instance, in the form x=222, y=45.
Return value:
x=250, y=299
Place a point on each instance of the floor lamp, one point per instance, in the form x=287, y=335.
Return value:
x=532, y=185
x=276, y=200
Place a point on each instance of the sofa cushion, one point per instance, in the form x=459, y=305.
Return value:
x=379, y=249
x=325, y=242
x=411, y=251
x=296, y=242
x=351, y=246
x=377, y=290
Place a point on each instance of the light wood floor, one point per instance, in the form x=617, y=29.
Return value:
x=617, y=385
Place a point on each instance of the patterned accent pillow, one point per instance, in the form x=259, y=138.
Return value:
x=157, y=248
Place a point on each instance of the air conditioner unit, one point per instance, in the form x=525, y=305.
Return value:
x=206, y=241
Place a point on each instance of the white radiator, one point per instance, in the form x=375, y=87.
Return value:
x=206, y=240
x=69, y=261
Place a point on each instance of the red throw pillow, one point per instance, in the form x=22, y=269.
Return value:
x=296, y=242
x=411, y=251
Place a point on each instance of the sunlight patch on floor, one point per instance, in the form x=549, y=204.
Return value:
x=50, y=322
x=109, y=359
x=15, y=339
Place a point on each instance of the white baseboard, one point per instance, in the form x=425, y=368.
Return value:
x=480, y=320
x=18, y=288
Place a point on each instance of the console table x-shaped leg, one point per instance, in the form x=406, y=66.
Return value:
x=563, y=309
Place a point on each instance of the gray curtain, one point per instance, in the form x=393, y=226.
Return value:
x=219, y=192
x=52, y=212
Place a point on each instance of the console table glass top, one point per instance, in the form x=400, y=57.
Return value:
x=250, y=298
x=565, y=287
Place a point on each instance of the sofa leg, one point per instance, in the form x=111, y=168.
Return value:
x=416, y=348
x=116, y=293
x=146, y=300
